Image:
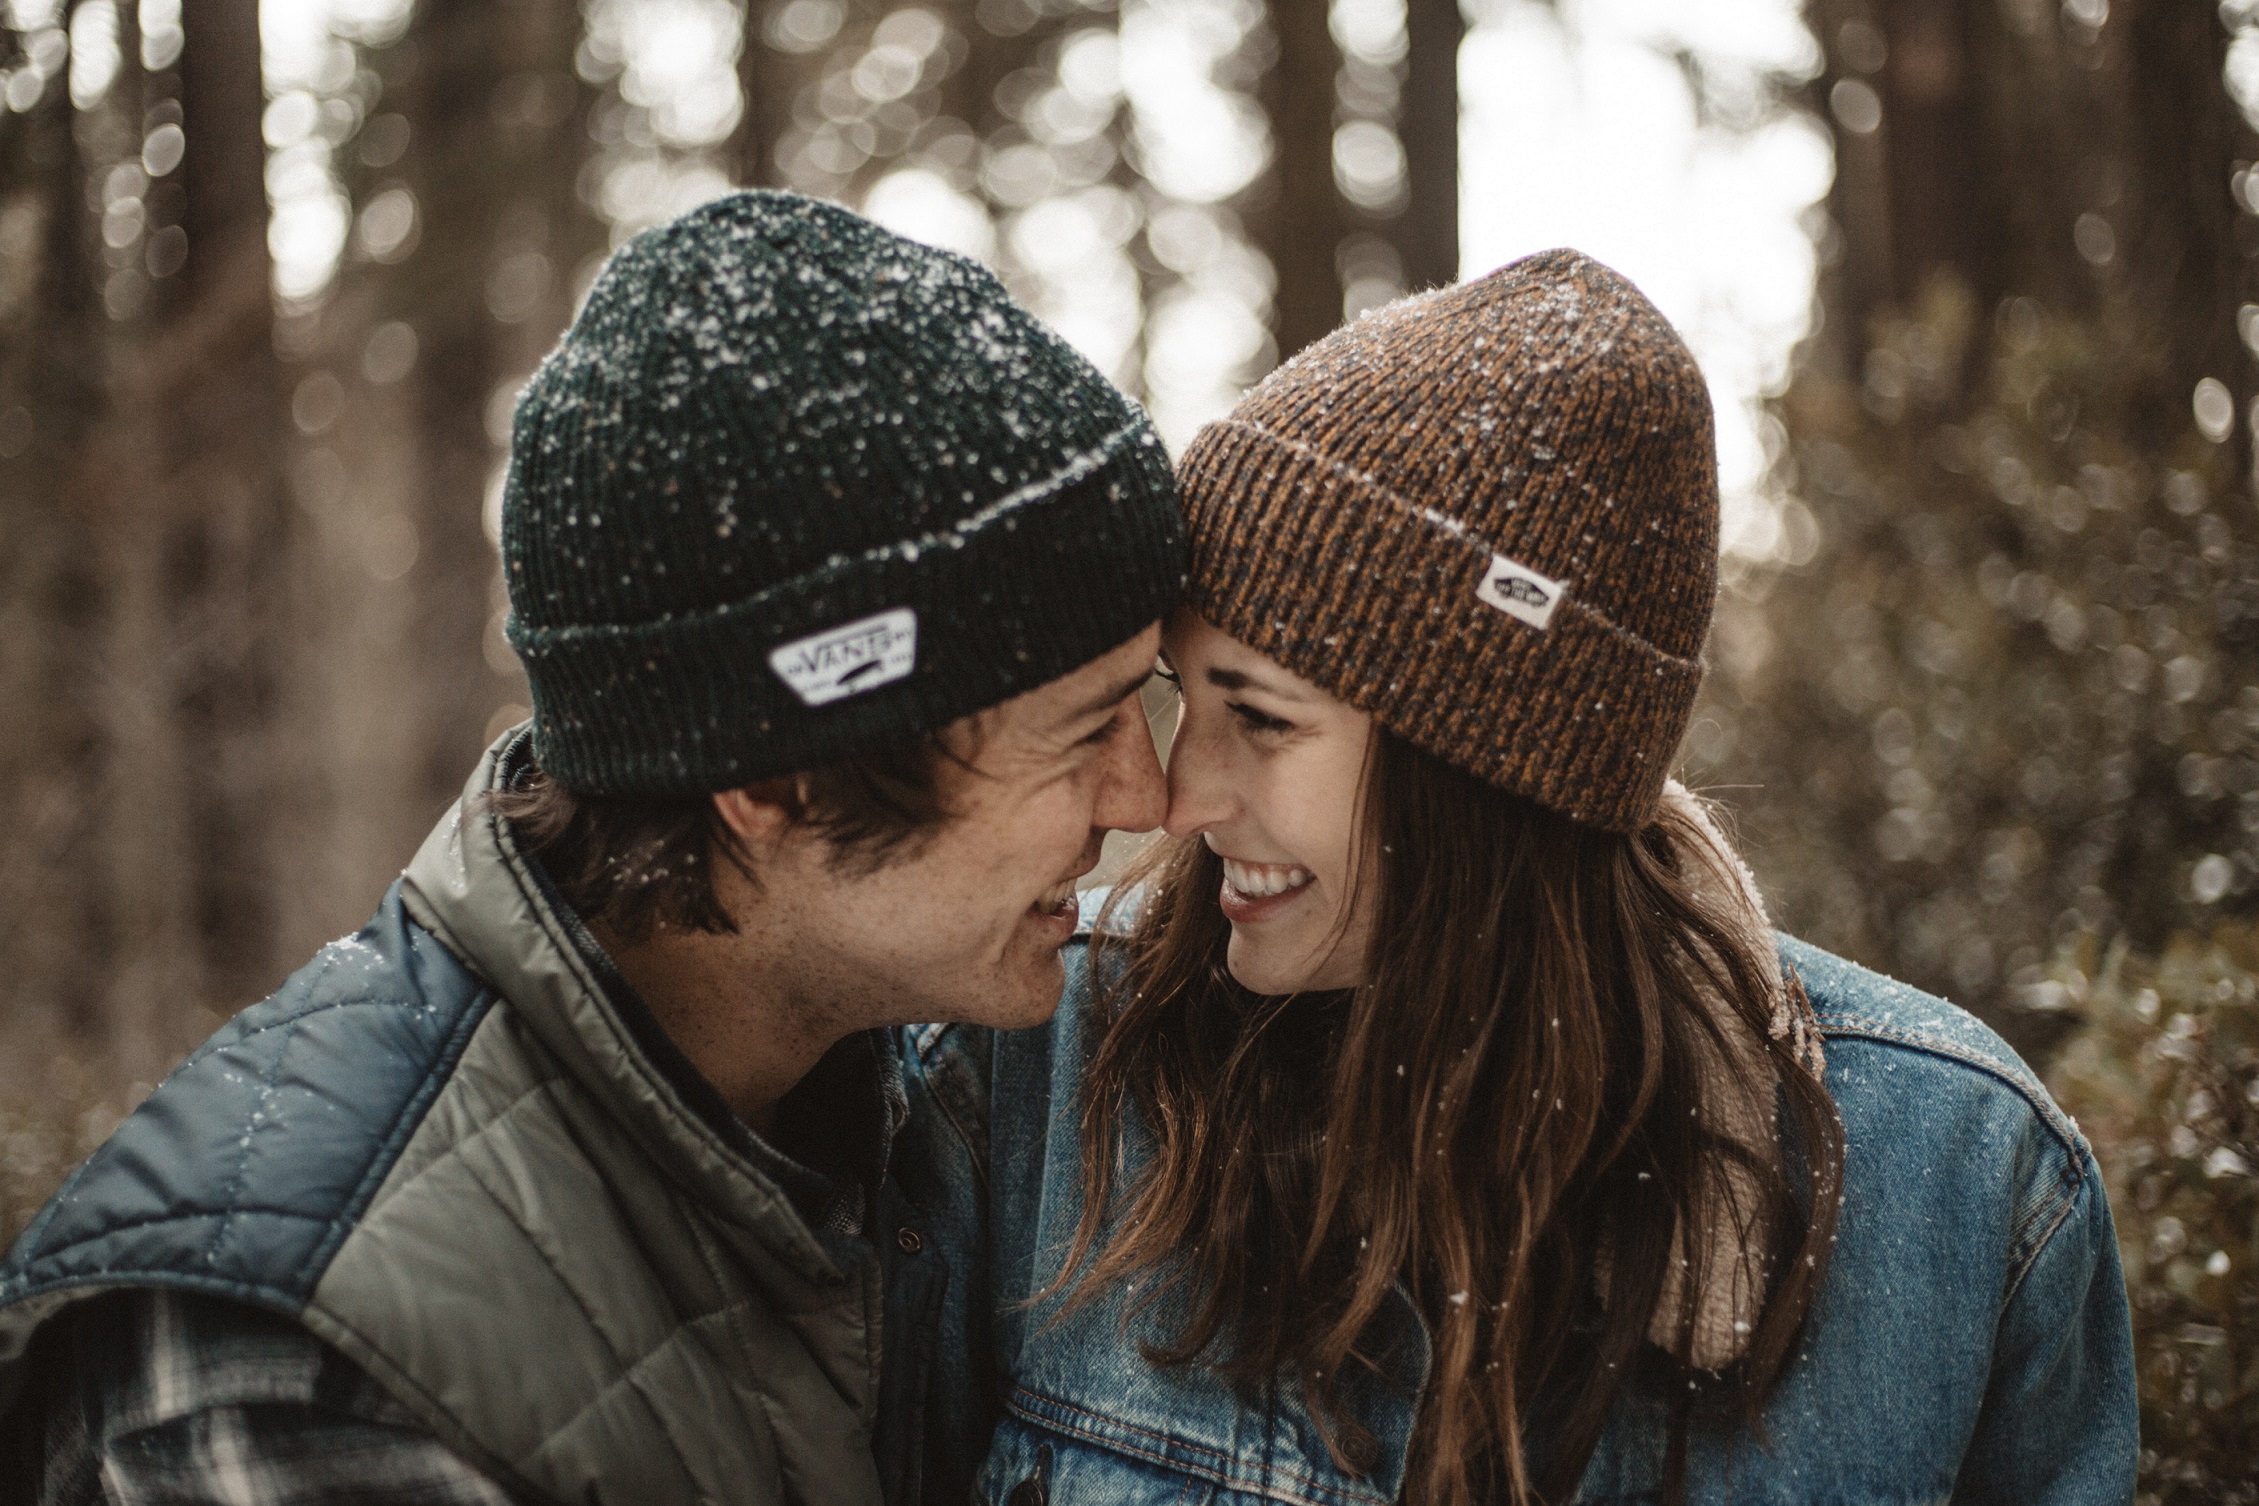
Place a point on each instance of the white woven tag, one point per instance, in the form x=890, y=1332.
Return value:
x=851, y=658
x=1519, y=591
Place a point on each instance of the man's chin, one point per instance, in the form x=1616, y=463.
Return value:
x=1030, y=998
x=1010, y=998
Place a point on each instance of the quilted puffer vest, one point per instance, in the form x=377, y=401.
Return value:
x=444, y=1151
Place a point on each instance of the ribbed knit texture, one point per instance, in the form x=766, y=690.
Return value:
x=774, y=418
x=1344, y=515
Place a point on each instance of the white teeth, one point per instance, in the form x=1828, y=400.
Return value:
x=1056, y=896
x=1261, y=880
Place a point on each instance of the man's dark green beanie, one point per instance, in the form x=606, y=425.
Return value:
x=794, y=487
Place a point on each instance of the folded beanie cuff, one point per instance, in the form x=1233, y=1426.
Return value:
x=1377, y=599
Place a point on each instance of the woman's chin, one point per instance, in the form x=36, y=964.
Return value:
x=1259, y=969
x=1250, y=969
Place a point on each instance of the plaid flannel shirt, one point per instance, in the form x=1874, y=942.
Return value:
x=164, y=1397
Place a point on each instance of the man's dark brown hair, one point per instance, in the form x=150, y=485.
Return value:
x=638, y=862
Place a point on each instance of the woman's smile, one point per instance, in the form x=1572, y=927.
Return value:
x=1254, y=891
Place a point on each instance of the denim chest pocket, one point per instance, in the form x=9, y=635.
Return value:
x=1090, y=1422
x=1031, y=1467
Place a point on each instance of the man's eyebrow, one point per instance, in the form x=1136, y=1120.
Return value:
x=1112, y=698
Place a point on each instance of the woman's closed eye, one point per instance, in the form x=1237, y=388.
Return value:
x=1258, y=721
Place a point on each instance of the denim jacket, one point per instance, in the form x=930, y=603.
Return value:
x=1971, y=1341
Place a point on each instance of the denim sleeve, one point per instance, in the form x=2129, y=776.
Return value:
x=941, y=1161
x=2059, y=1426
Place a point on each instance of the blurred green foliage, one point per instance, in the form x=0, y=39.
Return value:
x=2164, y=1079
x=2009, y=694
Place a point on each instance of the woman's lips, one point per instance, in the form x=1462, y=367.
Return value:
x=1257, y=891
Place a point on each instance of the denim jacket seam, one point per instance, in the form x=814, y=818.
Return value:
x=1221, y=1471
x=2068, y=1187
x=2054, y=1205
x=2065, y=1134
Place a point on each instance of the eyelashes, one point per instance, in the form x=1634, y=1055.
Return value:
x=1257, y=721
x=1249, y=717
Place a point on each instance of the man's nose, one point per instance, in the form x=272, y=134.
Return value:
x=1135, y=795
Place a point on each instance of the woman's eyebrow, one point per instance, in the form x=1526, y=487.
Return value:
x=1232, y=679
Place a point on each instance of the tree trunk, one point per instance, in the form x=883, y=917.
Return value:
x=2185, y=254
x=1298, y=215
x=204, y=388
x=768, y=80
x=53, y=947
x=1427, y=234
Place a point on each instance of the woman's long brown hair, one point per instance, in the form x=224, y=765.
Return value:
x=1517, y=1115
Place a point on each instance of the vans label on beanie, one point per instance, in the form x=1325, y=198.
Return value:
x=1518, y=591
x=850, y=659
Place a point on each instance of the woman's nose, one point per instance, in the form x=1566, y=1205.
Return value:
x=1200, y=793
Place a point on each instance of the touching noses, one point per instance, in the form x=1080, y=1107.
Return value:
x=1199, y=794
x=1132, y=795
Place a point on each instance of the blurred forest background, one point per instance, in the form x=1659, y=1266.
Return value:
x=1984, y=697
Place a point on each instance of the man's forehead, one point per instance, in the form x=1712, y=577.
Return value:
x=1084, y=695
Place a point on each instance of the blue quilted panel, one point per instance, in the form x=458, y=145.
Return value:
x=243, y=1172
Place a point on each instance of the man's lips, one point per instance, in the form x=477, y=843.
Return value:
x=1058, y=909
x=1058, y=901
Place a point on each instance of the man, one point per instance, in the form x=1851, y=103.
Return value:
x=835, y=576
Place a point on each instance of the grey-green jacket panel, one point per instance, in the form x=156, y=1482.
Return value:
x=443, y=1149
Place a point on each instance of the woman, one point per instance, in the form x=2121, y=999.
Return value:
x=1436, y=1117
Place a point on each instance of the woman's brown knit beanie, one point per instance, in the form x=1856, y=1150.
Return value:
x=1488, y=516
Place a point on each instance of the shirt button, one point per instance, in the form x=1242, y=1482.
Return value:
x=1035, y=1490
x=908, y=1239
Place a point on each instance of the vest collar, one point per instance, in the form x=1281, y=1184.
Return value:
x=473, y=889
